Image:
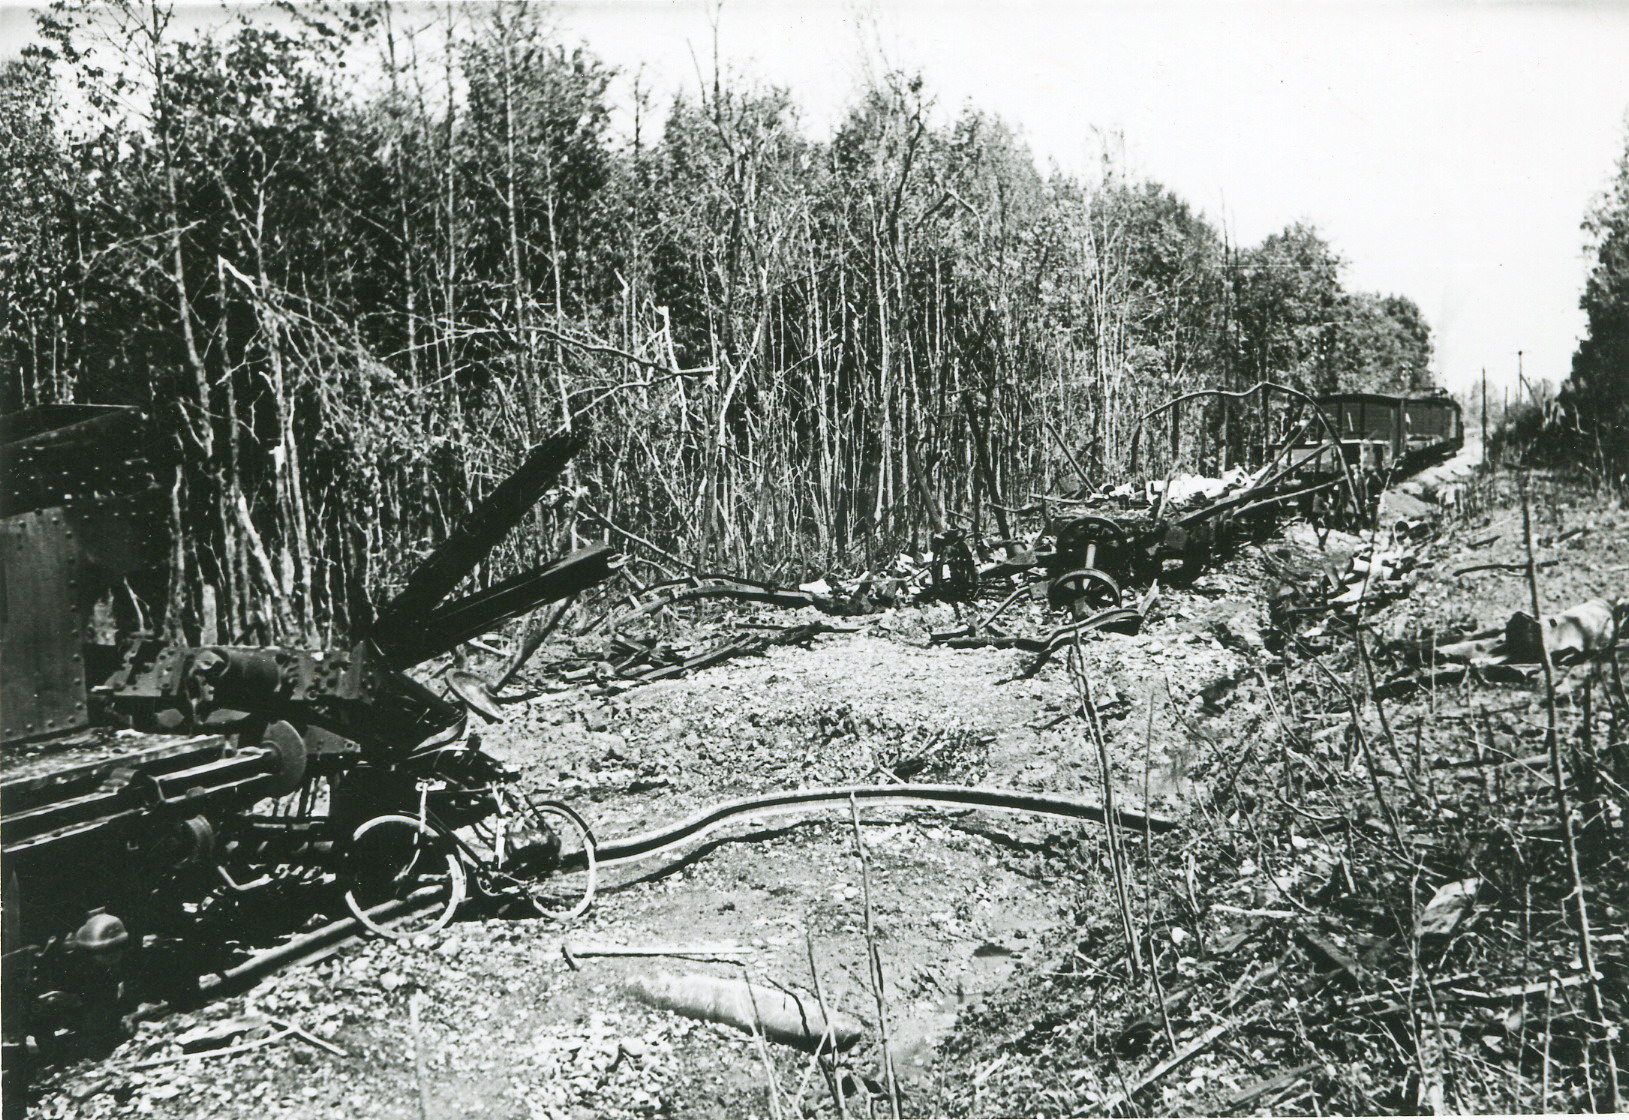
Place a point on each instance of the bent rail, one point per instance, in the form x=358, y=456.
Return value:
x=705, y=821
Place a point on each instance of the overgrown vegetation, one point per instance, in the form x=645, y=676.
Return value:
x=1387, y=900
x=353, y=269
x=1586, y=424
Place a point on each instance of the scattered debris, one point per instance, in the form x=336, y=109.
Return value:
x=1242, y=631
x=1516, y=566
x=1267, y=1091
x=215, y=1036
x=708, y=950
x=1571, y=636
x=629, y=663
x=250, y=1043
x=1187, y=1054
x=1279, y=971
x=1578, y=634
x=1446, y=909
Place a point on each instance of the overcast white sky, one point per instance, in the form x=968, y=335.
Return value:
x=1448, y=150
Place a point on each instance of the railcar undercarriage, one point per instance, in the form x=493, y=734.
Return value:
x=150, y=785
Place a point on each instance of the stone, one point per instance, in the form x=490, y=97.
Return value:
x=393, y=980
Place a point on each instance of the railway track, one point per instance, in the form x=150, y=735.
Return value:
x=648, y=845
x=669, y=840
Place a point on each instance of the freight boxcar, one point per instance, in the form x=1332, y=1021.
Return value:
x=1380, y=433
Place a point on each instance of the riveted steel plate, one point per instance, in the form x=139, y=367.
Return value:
x=42, y=667
x=59, y=455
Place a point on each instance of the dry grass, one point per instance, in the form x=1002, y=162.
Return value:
x=1288, y=969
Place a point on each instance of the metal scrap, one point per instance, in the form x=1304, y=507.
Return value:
x=1577, y=634
x=628, y=663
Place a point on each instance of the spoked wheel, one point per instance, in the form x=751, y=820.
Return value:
x=1084, y=591
x=400, y=859
x=564, y=891
x=1079, y=534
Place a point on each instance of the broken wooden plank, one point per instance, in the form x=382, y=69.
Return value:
x=1332, y=954
x=1266, y=1087
x=1176, y=1061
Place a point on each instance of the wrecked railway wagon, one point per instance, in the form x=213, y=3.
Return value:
x=1335, y=455
x=1384, y=433
x=144, y=778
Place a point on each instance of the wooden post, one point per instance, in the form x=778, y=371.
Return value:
x=1484, y=411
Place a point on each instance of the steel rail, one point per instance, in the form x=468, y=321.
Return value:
x=646, y=844
x=331, y=937
x=301, y=947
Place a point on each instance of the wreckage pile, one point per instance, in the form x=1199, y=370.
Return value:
x=1383, y=892
x=1080, y=556
x=1363, y=909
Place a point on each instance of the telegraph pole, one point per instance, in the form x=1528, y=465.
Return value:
x=1484, y=410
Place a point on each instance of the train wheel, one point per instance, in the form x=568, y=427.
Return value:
x=1077, y=535
x=401, y=859
x=1084, y=591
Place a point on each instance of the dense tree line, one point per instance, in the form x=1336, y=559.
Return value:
x=1592, y=420
x=352, y=293
x=1584, y=426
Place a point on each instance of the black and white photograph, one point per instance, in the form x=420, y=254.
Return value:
x=813, y=559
